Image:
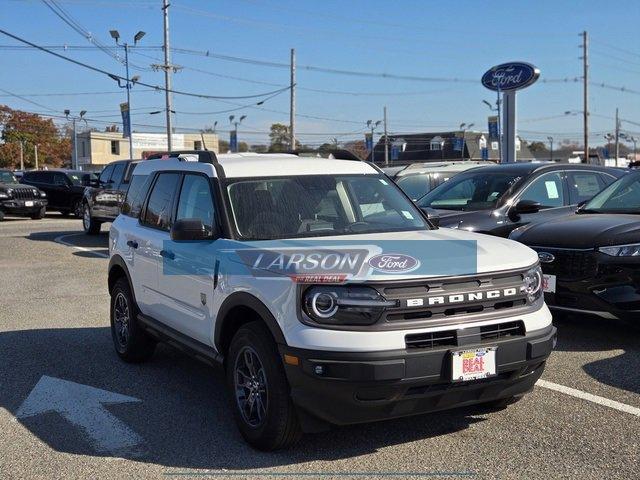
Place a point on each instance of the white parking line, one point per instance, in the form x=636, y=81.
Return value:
x=82, y=249
x=622, y=407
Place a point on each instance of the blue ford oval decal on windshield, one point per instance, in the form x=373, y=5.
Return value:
x=510, y=76
x=393, y=263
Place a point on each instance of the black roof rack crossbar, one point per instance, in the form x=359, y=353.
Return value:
x=204, y=156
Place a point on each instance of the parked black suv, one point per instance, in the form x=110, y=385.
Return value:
x=591, y=258
x=19, y=199
x=64, y=188
x=101, y=201
x=496, y=199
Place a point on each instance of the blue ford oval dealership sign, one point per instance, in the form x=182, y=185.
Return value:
x=510, y=76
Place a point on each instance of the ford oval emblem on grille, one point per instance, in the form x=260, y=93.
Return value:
x=546, y=257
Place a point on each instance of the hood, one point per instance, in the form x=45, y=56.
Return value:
x=15, y=186
x=441, y=252
x=582, y=231
x=458, y=219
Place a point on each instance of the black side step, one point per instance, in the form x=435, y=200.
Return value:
x=168, y=335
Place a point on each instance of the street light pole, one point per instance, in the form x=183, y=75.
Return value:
x=497, y=109
x=74, y=160
x=464, y=127
x=551, y=146
x=373, y=125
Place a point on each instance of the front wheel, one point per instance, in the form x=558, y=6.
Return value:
x=132, y=343
x=89, y=224
x=262, y=406
x=39, y=214
x=77, y=209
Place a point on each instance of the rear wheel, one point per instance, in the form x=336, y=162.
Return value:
x=89, y=224
x=132, y=343
x=262, y=405
x=39, y=214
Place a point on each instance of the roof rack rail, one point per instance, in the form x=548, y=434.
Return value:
x=204, y=156
x=339, y=154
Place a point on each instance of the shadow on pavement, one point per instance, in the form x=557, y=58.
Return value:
x=76, y=238
x=184, y=417
x=593, y=334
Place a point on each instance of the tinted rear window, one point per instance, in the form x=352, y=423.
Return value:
x=135, y=195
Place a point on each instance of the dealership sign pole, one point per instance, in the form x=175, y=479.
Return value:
x=509, y=78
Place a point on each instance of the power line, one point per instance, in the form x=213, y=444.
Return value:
x=115, y=77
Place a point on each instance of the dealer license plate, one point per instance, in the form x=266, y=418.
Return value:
x=28, y=203
x=473, y=364
x=549, y=283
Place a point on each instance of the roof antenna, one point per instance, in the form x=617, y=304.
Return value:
x=204, y=145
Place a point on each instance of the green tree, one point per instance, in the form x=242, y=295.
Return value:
x=279, y=137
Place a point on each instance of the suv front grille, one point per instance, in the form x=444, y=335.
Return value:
x=570, y=264
x=23, y=194
x=455, y=338
x=473, y=303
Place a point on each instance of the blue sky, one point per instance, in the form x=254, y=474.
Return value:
x=444, y=39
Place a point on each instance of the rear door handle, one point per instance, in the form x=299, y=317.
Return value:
x=132, y=244
x=167, y=254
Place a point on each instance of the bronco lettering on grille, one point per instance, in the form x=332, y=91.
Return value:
x=462, y=297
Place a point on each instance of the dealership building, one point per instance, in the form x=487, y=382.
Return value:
x=96, y=149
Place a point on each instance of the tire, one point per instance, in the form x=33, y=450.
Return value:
x=89, y=224
x=1, y=216
x=39, y=214
x=132, y=343
x=276, y=425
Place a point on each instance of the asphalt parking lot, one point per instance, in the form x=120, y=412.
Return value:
x=70, y=409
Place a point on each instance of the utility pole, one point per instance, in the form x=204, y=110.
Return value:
x=292, y=111
x=386, y=139
x=167, y=72
x=585, y=93
x=617, y=135
x=74, y=159
x=373, y=125
x=35, y=153
x=551, y=148
x=22, y=155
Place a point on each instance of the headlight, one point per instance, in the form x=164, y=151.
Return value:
x=622, y=250
x=532, y=284
x=42, y=194
x=344, y=305
x=4, y=195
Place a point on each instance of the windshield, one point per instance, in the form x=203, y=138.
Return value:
x=76, y=178
x=471, y=191
x=415, y=186
x=622, y=196
x=7, y=177
x=318, y=205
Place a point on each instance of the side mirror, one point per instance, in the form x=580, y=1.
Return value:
x=581, y=206
x=432, y=215
x=526, y=206
x=190, y=229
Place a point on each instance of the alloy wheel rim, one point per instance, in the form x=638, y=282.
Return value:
x=86, y=218
x=251, y=387
x=121, y=319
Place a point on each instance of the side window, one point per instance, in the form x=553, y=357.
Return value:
x=547, y=189
x=45, y=177
x=60, y=179
x=137, y=192
x=584, y=185
x=129, y=172
x=159, y=206
x=105, y=175
x=195, y=200
x=116, y=176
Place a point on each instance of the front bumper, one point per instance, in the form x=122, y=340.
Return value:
x=19, y=207
x=365, y=387
x=611, y=291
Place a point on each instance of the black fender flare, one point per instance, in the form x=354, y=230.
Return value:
x=117, y=260
x=246, y=300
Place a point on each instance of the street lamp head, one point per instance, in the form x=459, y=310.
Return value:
x=135, y=79
x=462, y=125
x=378, y=122
x=470, y=125
x=82, y=113
x=231, y=117
x=369, y=122
x=243, y=117
x=67, y=112
x=138, y=36
x=115, y=35
x=487, y=103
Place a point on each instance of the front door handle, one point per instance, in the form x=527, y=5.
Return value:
x=168, y=254
x=132, y=244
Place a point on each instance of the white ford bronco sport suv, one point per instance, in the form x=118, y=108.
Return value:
x=328, y=297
